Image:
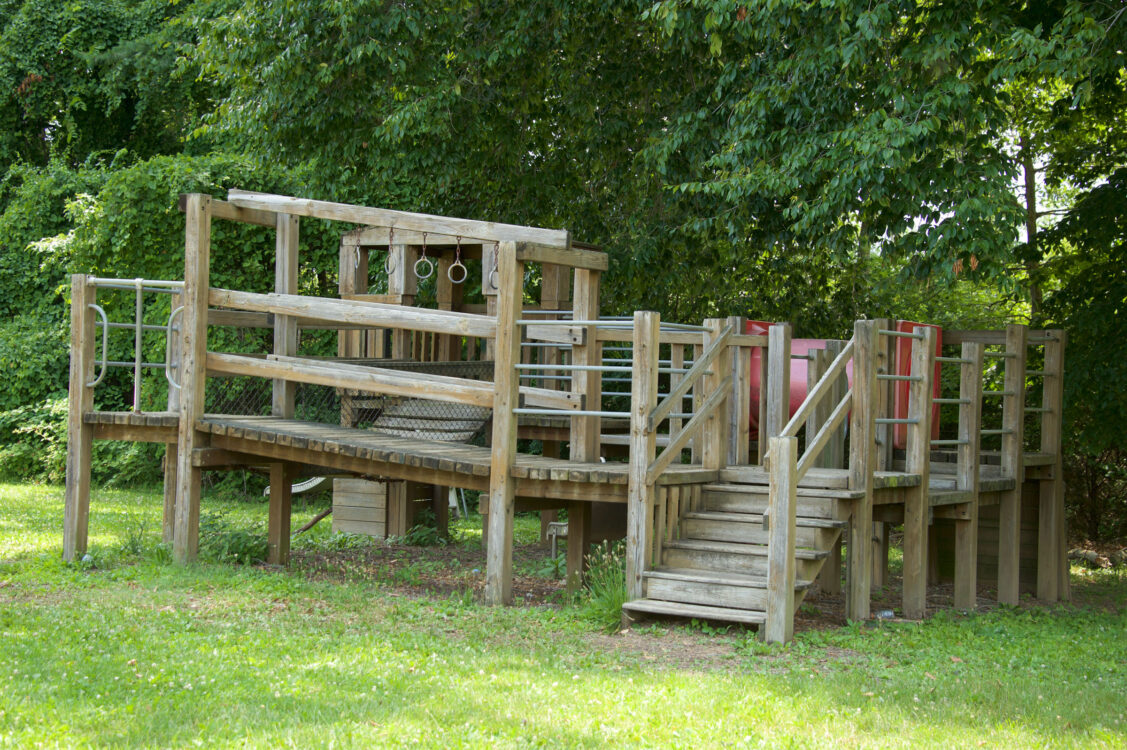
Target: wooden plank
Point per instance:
(134, 433)
(917, 451)
(502, 486)
(466, 228)
(193, 374)
(825, 435)
(783, 503)
(862, 463)
(278, 528)
(707, 411)
(643, 398)
(168, 492)
(990, 338)
(285, 326)
(1012, 463)
(778, 379)
(966, 480)
(714, 432)
(702, 365)
(572, 257)
(833, 457)
(80, 436)
(1052, 561)
(230, 212)
(359, 313)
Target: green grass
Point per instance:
(135, 652)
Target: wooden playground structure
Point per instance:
(735, 502)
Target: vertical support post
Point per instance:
(966, 477)
(764, 400)
(916, 461)
(403, 286)
(1052, 558)
(815, 369)
(555, 288)
(352, 279)
(173, 407)
(502, 486)
(778, 378)
(278, 528)
(862, 464)
(833, 456)
(584, 437)
(285, 326)
(886, 364)
(80, 436)
(739, 404)
(714, 436)
(643, 444)
(783, 499)
(1013, 465)
(193, 375)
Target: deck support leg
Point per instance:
(829, 579)
(917, 460)
(1013, 466)
(578, 542)
(502, 486)
(862, 459)
(80, 436)
(966, 478)
(783, 499)
(193, 353)
(1052, 557)
(880, 553)
(643, 443)
(168, 517)
(282, 476)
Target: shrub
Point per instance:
(605, 584)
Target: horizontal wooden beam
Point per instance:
(955, 338)
(224, 210)
(370, 379)
(358, 313)
(401, 220)
(568, 257)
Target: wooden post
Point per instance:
(584, 437)
(403, 285)
(714, 439)
(764, 405)
(966, 477)
(783, 499)
(1013, 465)
(352, 279)
(778, 378)
(168, 517)
(829, 579)
(193, 374)
(80, 436)
(862, 460)
(285, 326)
(886, 364)
(643, 444)
(502, 486)
(555, 294)
(917, 461)
(278, 528)
(816, 367)
(834, 454)
(1052, 559)
(739, 405)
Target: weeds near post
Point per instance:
(605, 584)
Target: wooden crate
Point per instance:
(360, 507)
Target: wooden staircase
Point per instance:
(715, 567)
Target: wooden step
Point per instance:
(748, 528)
(744, 499)
(695, 611)
(733, 557)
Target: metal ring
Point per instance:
(430, 268)
(493, 279)
(450, 272)
(105, 343)
(168, 348)
(389, 264)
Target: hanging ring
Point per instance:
(450, 274)
(389, 263)
(493, 274)
(430, 267)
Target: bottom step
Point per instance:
(699, 611)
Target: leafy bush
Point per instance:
(425, 531)
(223, 542)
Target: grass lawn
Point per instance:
(338, 651)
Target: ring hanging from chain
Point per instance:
(493, 277)
(457, 264)
(424, 259)
(389, 262)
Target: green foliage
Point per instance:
(33, 358)
(425, 531)
(223, 541)
(605, 585)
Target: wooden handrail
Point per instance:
(823, 387)
(666, 407)
(676, 444)
(837, 416)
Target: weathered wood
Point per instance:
(966, 479)
(230, 212)
(886, 363)
(359, 313)
(830, 428)
(502, 487)
(917, 452)
(989, 338)
(1052, 561)
(829, 579)
(833, 456)
(80, 436)
(643, 398)
(278, 528)
(466, 228)
(739, 406)
(168, 493)
(862, 464)
(778, 379)
(1012, 465)
(193, 374)
(285, 326)
(779, 627)
(702, 365)
(573, 257)
(673, 447)
(714, 432)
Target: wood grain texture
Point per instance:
(643, 398)
(967, 475)
(783, 503)
(80, 435)
(916, 461)
(1012, 465)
